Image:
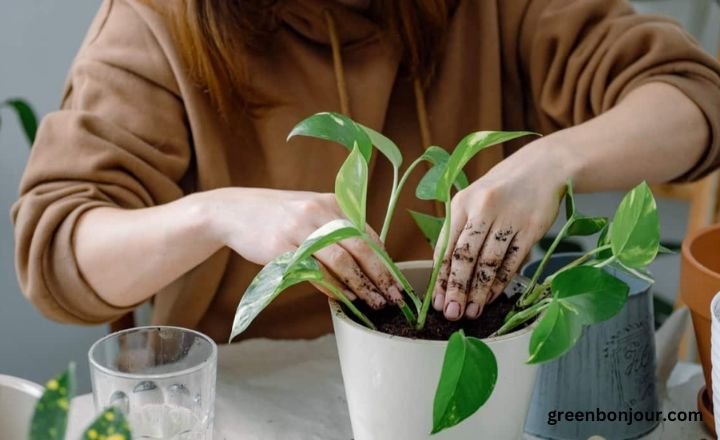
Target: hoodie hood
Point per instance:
(307, 18)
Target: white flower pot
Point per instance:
(390, 381)
(715, 354)
(17, 404)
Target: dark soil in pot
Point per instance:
(391, 321)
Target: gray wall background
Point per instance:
(38, 40)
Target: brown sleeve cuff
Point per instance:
(48, 270)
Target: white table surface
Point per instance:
(287, 390)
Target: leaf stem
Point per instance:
(436, 269)
(523, 301)
(584, 258)
(638, 273)
(536, 293)
(605, 263)
(407, 312)
(344, 299)
(395, 195)
(533, 296)
(523, 316)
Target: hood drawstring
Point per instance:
(422, 115)
(338, 65)
(339, 70)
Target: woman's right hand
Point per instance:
(261, 224)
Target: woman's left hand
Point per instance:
(495, 223)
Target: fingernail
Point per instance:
(394, 294)
(351, 296)
(378, 302)
(472, 311)
(452, 311)
(495, 291)
(439, 302)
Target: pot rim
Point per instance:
(688, 255)
(338, 312)
(22, 385)
(95, 365)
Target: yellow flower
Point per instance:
(53, 385)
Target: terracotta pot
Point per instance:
(699, 282)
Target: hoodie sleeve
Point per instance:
(119, 140)
(582, 57)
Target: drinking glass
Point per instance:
(162, 378)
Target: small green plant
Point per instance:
(49, 421)
(26, 115)
(581, 293)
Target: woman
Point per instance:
(166, 173)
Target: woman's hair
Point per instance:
(211, 34)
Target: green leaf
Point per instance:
(275, 277)
(429, 225)
(291, 268)
(580, 225)
(461, 182)
(110, 425)
(468, 377)
(351, 188)
(49, 421)
(604, 239)
(468, 147)
(583, 226)
(384, 145)
(582, 295)
(427, 188)
(337, 128)
(635, 234)
(439, 156)
(557, 332)
(27, 116)
(329, 233)
(592, 293)
(305, 270)
(435, 155)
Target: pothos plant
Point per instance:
(582, 293)
(50, 418)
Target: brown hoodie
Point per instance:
(135, 131)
